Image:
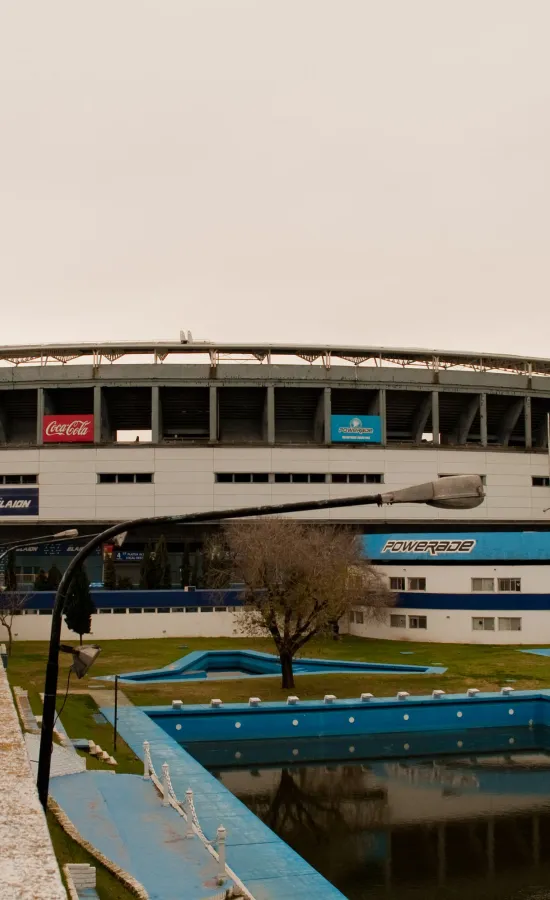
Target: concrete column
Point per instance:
(156, 415)
(483, 418)
(528, 426)
(39, 416)
(327, 410)
(382, 414)
(97, 413)
(435, 416)
(270, 414)
(213, 414)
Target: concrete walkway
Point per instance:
(123, 817)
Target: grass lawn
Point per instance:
(484, 667)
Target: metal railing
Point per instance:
(193, 827)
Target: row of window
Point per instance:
(505, 623)
(149, 609)
(479, 585)
(298, 478)
(18, 479)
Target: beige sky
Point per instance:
(367, 171)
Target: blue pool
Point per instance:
(222, 664)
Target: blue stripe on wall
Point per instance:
(474, 546)
(496, 601)
(141, 599)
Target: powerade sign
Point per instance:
(476, 546)
(19, 502)
(359, 429)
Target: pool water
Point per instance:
(435, 827)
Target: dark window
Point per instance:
(144, 478)
(418, 622)
(417, 584)
(133, 610)
(12, 479)
(317, 478)
(281, 477)
(192, 609)
(18, 479)
(29, 479)
(260, 477)
(207, 609)
(120, 612)
(398, 621)
(356, 479)
(337, 478)
(242, 478)
(224, 477)
(397, 584)
(540, 481)
(149, 609)
(220, 609)
(300, 478)
(125, 478)
(163, 609)
(107, 478)
(374, 478)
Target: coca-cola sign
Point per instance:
(68, 429)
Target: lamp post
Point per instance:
(59, 536)
(454, 492)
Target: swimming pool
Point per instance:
(223, 664)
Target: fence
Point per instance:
(193, 828)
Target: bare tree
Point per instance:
(11, 605)
(298, 579)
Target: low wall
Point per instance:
(454, 626)
(132, 625)
(28, 867)
(352, 718)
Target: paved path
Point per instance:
(123, 816)
(65, 761)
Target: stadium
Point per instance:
(92, 434)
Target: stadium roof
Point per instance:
(321, 354)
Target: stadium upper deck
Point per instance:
(211, 393)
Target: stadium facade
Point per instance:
(234, 425)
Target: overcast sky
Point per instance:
(366, 171)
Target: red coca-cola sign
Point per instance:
(68, 429)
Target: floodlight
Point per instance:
(69, 533)
(452, 492)
(83, 657)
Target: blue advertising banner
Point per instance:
(19, 501)
(477, 546)
(363, 429)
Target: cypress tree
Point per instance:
(148, 573)
(10, 578)
(162, 562)
(109, 574)
(79, 605)
(41, 581)
(54, 577)
(185, 566)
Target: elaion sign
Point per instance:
(68, 429)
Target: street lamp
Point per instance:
(67, 535)
(453, 492)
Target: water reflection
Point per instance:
(409, 829)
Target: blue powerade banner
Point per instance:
(19, 501)
(477, 546)
(362, 429)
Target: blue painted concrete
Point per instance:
(351, 718)
(139, 599)
(122, 815)
(472, 601)
(269, 868)
(250, 663)
(542, 651)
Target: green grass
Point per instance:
(484, 667)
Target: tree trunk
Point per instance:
(10, 637)
(286, 670)
(335, 628)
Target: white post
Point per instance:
(222, 834)
(146, 773)
(165, 792)
(189, 833)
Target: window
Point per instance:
(177, 609)
(509, 584)
(299, 478)
(207, 609)
(358, 618)
(355, 478)
(483, 584)
(241, 477)
(125, 478)
(149, 609)
(25, 575)
(18, 479)
(220, 609)
(120, 611)
(163, 609)
(483, 623)
(540, 481)
(351, 616)
(397, 584)
(191, 609)
(317, 478)
(417, 584)
(44, 612)
(418, 622)
(104, 611)
(134, 610)
(398, 621)
(509, 624)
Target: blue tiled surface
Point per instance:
(542, 651)
(122, 815)
(254, 852)
(250, 663)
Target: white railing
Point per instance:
(188, 812)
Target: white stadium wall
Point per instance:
(454, 626)
(184, 481)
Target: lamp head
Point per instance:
(69, 533)
(452, 492)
